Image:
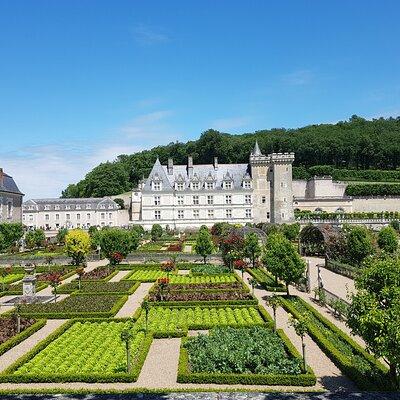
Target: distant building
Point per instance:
(10, 199)
(188, 196)
(53, 214)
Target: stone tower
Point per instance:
(272, 186)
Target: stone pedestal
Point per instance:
(29, 286)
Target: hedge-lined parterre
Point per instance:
(97, 287)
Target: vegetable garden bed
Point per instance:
(99, 287)
(252, 356)
(75, 306)
(82, 351)
(10, 278)
(209, 269)
(176, 321)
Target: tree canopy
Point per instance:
(353, 144)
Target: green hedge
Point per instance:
(130, 267)
(373, 189)
(326, 216)
(266, 280)
(8, 374)
(10, 343)
(336, 354)
(203, 303)
(341, 268)
(186, 376)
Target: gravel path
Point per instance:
(134, 301)
(329, 376)
(119, 276)
(19, 350)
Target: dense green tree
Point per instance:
(359, 244)
(356, 144)
(388, 240)
(204, 245)
(252, 248)
(117, 243)
(374, 313)
(120, 202)
(11, 234)
(61, 234)
(291, 231)
(35, 238)
(156, 232)
(282, 259)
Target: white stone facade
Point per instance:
(53, 214)
(188, 196)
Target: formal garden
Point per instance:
(239, 315)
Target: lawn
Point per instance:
(85, 352)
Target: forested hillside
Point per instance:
(355, 144)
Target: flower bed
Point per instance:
(63, 270)
(209, 269)
(82, 352)
(367, 372)
(98, 274)
(236, 285)
(99, 287)
(266, 280)
(176, 321)
(75, 306)
(254, 355)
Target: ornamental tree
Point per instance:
(274, 302)
(35, 238)
(10, 233)
(300, 327)
(156, 232)
(252, 248)
(116, 244)
(61, 234)
(388, 240)
(282, 260)
(374, 312)
(204, 245)
(359, 244)
(77, 245)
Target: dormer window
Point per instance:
(47, 207)
(157, 186)
(246, 184)
(227, 185)
(88, 206)
(110, 206)
(195, 185)
(78, 207)
(210, 185)
(67, 207)
(57, 207)
(179, 186)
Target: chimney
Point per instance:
(190, 166)
(215, 162)
(1, 177)
(170, 167)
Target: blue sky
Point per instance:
(83, 81)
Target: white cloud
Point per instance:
(147, 36)
(226, 124)
(298, 78)
(45, 170)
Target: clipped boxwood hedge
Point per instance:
(186, 376)
(343, 362)
(99, 287)
(266, 280)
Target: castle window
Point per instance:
(87, 206)
(47, 207)
(157, 186)
(210, 200)
(180, 200)
(248, 213)
(263, 199)
(102, 215)
(179, 186)
(195, 185)
(9, 209)
(284, 200)
(67, 207)
(228, 185)
(47, 217)
(78, 216)
(196, 214)
(228, 213)
(57, 217)
(268, 215)
(247, 184)
(68, 216)
(109, 215)
(78, 207)
(247, 199)
(157, 200)
(181, 214)
(283, 215)
(210, 213)
(196, 200)
(210, 185)
(157, 214)
(57, 207)
(228, 199)
(88, 216)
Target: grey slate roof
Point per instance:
(202, 173)
(95, 203)
(8, 185)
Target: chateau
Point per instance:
(188, 196)
(10, 199)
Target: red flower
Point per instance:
(239, 264)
